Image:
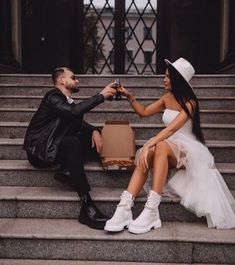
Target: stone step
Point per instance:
(82, 262)
(175, 242)
(210, 103)
(29, 193)
(63, 202)
(211, 131)
(137, 89)
(223, 151)
(142, 80)
(21, 173)
(104, 114)
(222, 102)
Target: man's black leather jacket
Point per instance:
(54, 118)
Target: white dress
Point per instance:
(200, 186)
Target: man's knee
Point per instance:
(71, 142)
(71, 146)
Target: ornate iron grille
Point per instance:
(98, 22)
(143, 59)
(120, 37)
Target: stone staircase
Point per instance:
(38, 216)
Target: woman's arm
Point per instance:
(143, 111)
(174, 126)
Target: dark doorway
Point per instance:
(47, 33)
(7, 61)
(190, 29)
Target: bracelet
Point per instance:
(132, 100)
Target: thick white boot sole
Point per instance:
(117, 228)
(142, 230)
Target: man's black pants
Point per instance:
(73, 150)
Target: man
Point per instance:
(57, 134)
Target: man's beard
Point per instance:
(75, 90)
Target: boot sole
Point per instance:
(155, 225)
(98, 226)
(116, 228)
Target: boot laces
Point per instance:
(151, 203)
(125, 201)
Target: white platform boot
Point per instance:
(123, 214)
(149, 218)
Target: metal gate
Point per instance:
(119, 37)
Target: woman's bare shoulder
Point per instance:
(167, 96)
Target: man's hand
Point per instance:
(108, 91)
(96, 141)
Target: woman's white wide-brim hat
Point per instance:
(183, 67)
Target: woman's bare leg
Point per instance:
(137, 181)
(163, 158)
(149, 217)
(139, 177)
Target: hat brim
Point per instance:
(178, 74)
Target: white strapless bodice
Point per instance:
(169, 115)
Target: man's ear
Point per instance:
(61, 80)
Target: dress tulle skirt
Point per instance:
(200, 186)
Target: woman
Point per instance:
(180, 145)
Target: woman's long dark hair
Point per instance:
(183, 93)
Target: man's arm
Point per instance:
(87, 127)
(60, 105)
(95, 135)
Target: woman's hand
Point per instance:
(125, 92)
(96, 140)
(143, 159)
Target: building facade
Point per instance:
(116, 36)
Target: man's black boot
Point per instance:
(90, 215)
(63, 176)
